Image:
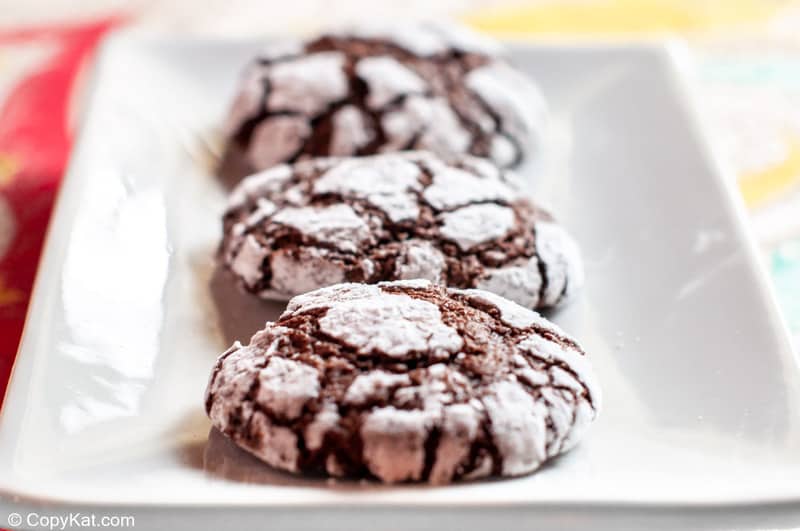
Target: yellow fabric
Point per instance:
(758, 188)
(623, 16)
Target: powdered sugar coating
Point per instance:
(476, 224)
(518, 427)
(521, 283)
(511, 313)
(394, 443)
(337, 225)
(379, 89)
(461, 221)
(510, 393)
(561, 258)
(286, 386)
(460, 424)
(453, 187)
(259, 185)
(309, 84)
(424, 123)
(394, 325)
(420, 259)
(570, 357)
(387, 79)
(247, 261)
(276, 445)
(324, 421)
(374, 386)
(386, 182)
(518, 102)
(325, 297)
(304, 270)
(277, 139)
(351, 131)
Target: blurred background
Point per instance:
(747, 73)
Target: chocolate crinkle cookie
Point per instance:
(371, 89)
(463, 223)
(405, 381)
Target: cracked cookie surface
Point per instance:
(378, 89)
(404, 381)
(464, 223)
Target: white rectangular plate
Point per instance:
(702, 391)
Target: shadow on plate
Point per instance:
(239, 314)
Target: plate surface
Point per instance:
(702, 390)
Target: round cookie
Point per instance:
(377, 89)
(464, 223)
(404, 381)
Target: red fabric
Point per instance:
(34, 147)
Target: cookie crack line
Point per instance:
(295, 397)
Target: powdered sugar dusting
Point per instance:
(351, 131)
(520, 283)
(428, 123)
(305, 270)
(394, 443)
(514, 97)
(277, 139)
(307, 84)
(420, 259)
(248, 260)
(324, 421)
(327, 296)
(560, 409)
(264, 209)
(387, 79)
(453, 187)
(562, 260)
(259, 184)
(435, 387)
(286, 386)
(518, 427)
(414, 283)
(383, 181)
(393, 324)
(460, 423)
(374, 386)
(540, 347)
(511, 313)
(338, 225)
(398, 207)
(276, 445)
(475, 224)
(502, 150)
(583, 416)
(237, 368)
